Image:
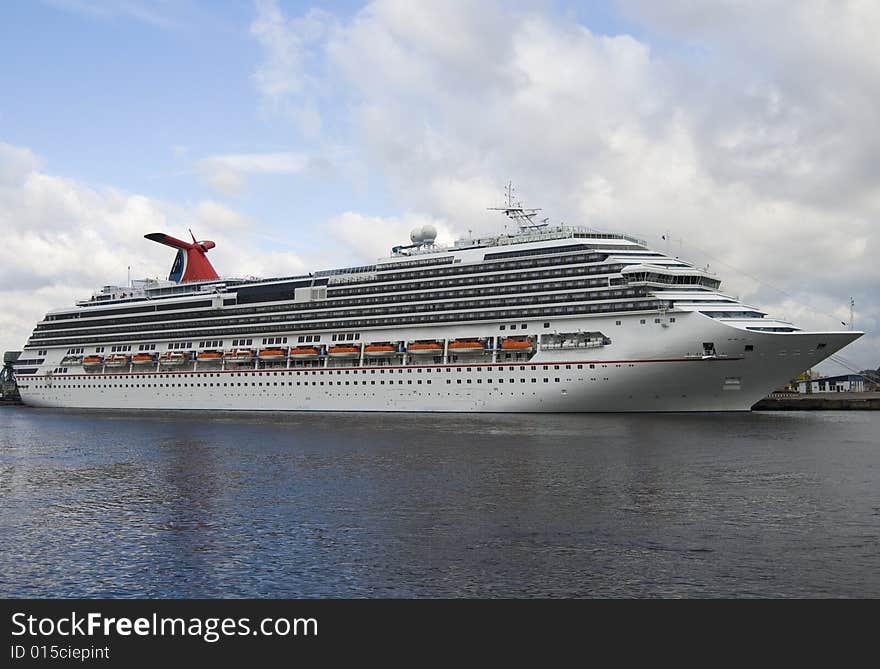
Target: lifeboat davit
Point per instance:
(344, 352)
(273, 353)
(143, 359)
(379, 350)
(304, 353)
(516, 344)
(239, 355)
(466, 346)
(93, 361)
(425, 348)
(172, 359)
(117, 360)
(209, 356)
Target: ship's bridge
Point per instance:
(660, 276)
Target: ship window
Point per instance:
(642, 321)
(513, 326)
(750, 347)
(502, 327)
(672, 320)
(821, 345)
(546, 325)
(523, 326)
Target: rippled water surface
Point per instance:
(382, 505)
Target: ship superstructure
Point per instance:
(544, 318)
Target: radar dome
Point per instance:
(429, 234)
(416, 236)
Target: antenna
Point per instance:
(852, 306)
(515, 211)
(509, 191)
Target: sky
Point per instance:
(301, 136)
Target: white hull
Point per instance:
(646, 368)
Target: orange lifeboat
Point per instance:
(172, 358)
(516, 344)
(93, 361)
(344, 351)
(304, 353)
(117, 360)
(466, 346)
(272, 353)
(427, 347)
(143, 359)
(239, 355)
(209, 356)
(379, 350)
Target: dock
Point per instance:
(867, 401)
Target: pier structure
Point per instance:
(8, 385)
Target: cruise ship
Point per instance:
(539, 319)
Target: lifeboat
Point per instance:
(72, 360)
(209, 356)
(143, 359)
(379, 350)
(466, 346)
(239, 355)
(516, 344)
(172, 358)
(425, 348)
(272, 353)
(93, 361)
(344, 351)
(304, 353)
(117, 360)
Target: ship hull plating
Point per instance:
(648, 369)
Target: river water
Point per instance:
(415, 505)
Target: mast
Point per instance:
(513, 209)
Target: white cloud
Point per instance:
(63, 239)
(16, 162)
(755, 143)
(227, 174)
(284, 80)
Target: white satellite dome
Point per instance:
(429, 234)
(416, 236)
